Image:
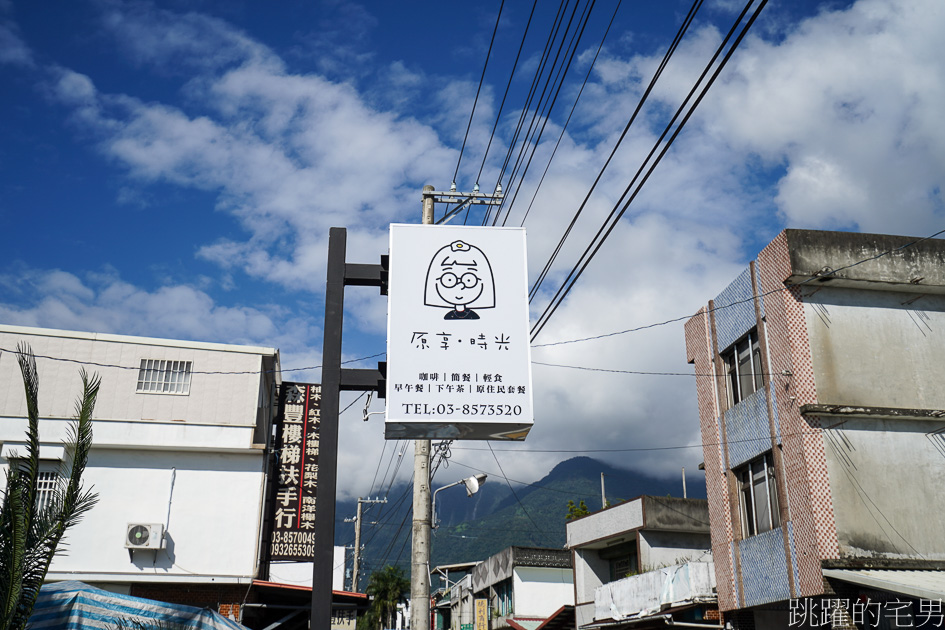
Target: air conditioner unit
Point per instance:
(144, 536)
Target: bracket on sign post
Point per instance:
(334, 380)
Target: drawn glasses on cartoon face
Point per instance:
(459, 276)
(449, 280)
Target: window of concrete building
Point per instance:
(622, 560)
(743, 368)
(157, 376)
(757, 495)
(47, 481)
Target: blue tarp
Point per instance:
(75, 605)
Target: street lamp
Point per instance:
(472, 487)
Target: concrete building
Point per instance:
(822, 416)
(517, 588)
(643, 563)
(181, 449)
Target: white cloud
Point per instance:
(176, 42)
(13, 50)
(103, 302)
(848, 102)
(830, 123)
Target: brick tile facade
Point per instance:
(809, 532)
(699, 351)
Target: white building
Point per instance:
(519, 587)
(644, 563)
(181, 437)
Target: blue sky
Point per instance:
(171, 169)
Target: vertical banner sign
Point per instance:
(458, 353)
(293, 530)
(482, 614)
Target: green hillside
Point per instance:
(474, 528)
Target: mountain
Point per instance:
(474, 528)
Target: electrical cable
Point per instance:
(571, 113)
(508, 85)
(586, 257)
(351, 404)
(378, 469)
(514, 494)
(545, 116)
(481, 79)
(680, 33)
(544, 112)
(541, 107)
(639, 449)
(819, 278)
(531, 93)
(130, 367)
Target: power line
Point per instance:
(514, 494)
(820, 278)
(642, 373)
(720, 307)
(546, 113)
(639, 449)
(508, 85)
(570, 114)
(680, 33)
(543, 108)
(556, 24)
(129, 367)
(476, 100)
(615, 216)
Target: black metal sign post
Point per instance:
(335, 379)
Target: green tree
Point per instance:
(387, 588)
(30, 535)
(576, 511)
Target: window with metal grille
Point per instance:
(743, 368)
(157, 376)
(757, 495)
(46, 482)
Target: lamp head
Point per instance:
(472, 483)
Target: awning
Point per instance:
(928, 584)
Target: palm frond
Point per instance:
(31, 390)
(31, 535)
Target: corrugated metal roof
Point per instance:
(927, 584)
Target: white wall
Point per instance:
(877, 348)
(606, 523)
(663, 549)
(229, 399)
(185, 461)
(300, 573)
(886, 480)
(538, 592)
(212, 515)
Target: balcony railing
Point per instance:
(651, 592)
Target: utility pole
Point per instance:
(603, 495)
(355, 571)
(420, 548)
(422, 509)
(357, 550)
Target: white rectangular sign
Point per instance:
(458, 353)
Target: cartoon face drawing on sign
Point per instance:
(460, 278)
